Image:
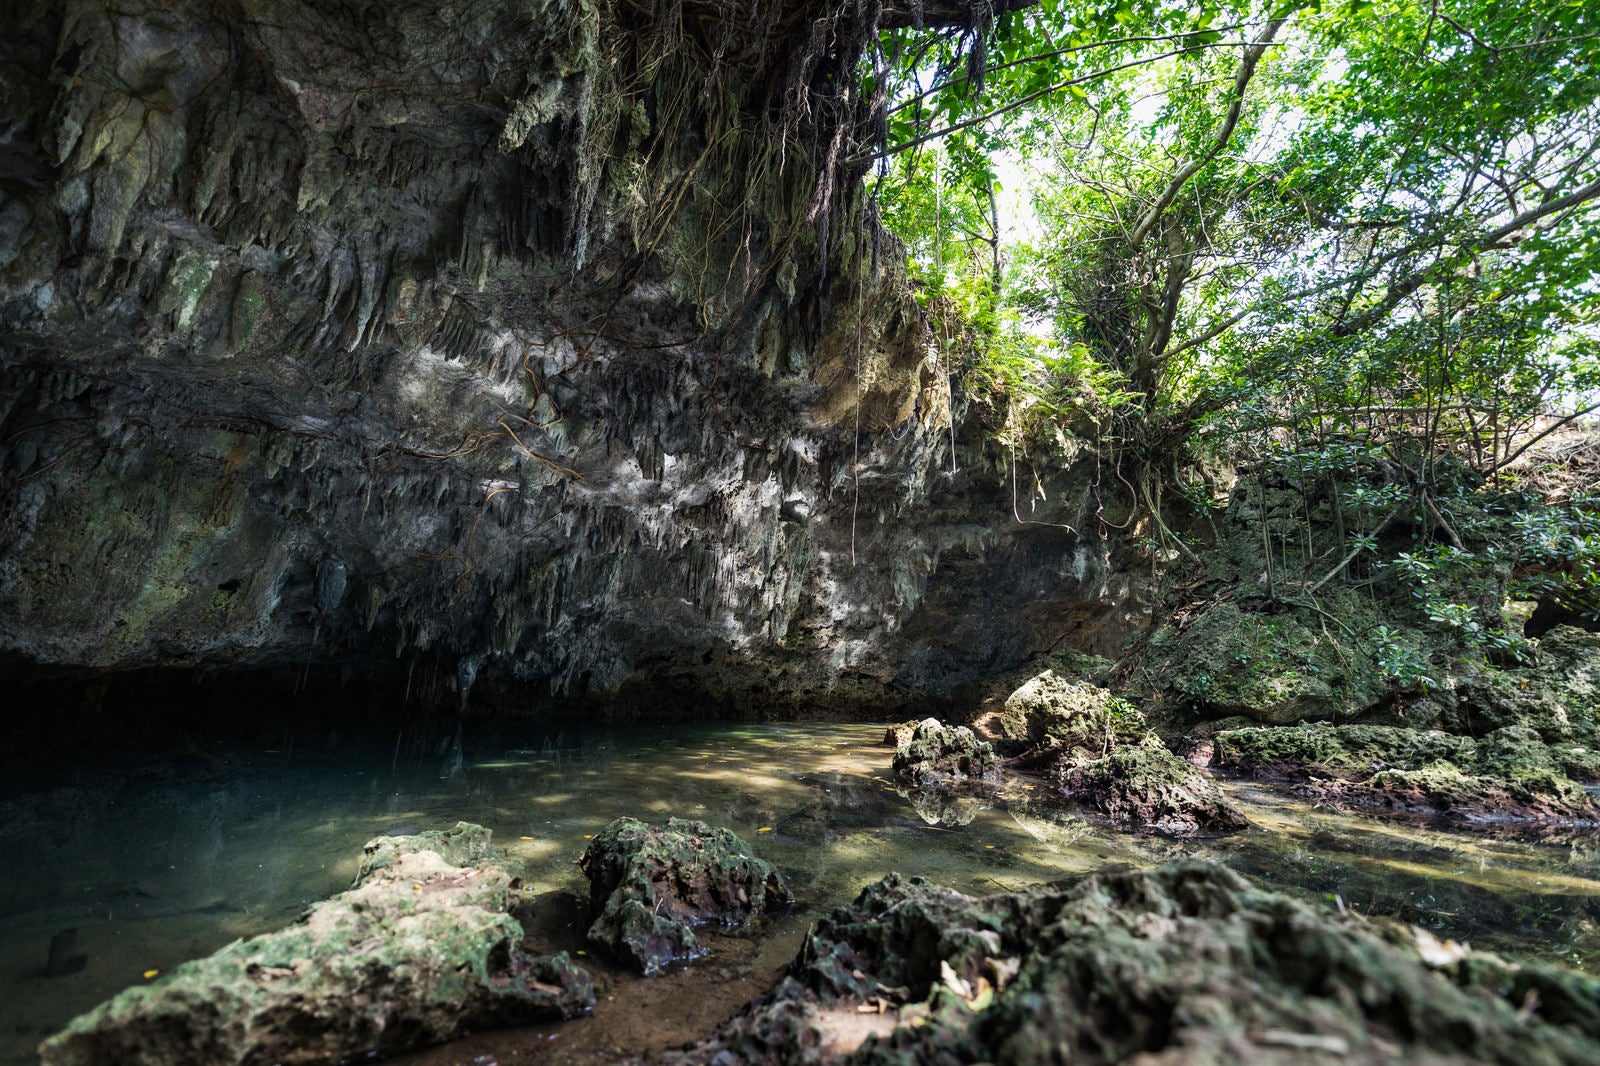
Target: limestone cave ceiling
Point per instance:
(546, 341)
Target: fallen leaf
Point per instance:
(150, 973)
(765, 829)
(953, 981)
(527, 838)
(1436, 952)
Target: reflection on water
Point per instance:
(153, 865)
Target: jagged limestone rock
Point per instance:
(1274, 669)
(650, 885)
(1509, 774)
(463, 844)
(1147, 788)
(1049, 712)
(1336, 749)
(318, 353)
(1101, 755)
(1186, 965)
(940, 756)
(421, 950)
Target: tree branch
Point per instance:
(1247, 69)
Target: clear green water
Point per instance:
(155, 864)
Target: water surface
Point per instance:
(153, 863)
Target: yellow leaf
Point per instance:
(150, 973)
(765, 829)
(527, 838)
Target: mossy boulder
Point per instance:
(463, 844)
(651, 885)
(1051, 712)
(1557, 694)
(1510, 773)
(1145, 787)
(1445, 788)
(941, 756)
(1567, 663)
(1186, 965)
(1346, 750)
(420, 950)
(1271, 668)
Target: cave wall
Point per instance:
(541, 342)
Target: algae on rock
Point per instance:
(1274, 669)
(650, 885)
(1510, 773)
(421, 950)
(1188, 965)
(1146, 787)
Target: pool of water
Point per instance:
(122, 870)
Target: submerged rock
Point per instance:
(1146, 787)
(941, 756)
(1186, 965)
(422, 949)
(650, 885)
(1509, 774)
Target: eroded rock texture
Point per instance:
(537, 341)
(651, 885)
(420, 950)
(1187, 964)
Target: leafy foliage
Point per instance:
(1351, 245)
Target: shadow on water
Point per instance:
(136, 867)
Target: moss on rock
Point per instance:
(1050, 712)
(650, 885)
(1511, 773)
(1187, 965)
(419, 951)
(1146, 787)
(1275, 669)
(941, 756)
(1330, 749)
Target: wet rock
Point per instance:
(420, 950)
(941, 756)
(1186, 965)
(1099, 751)
(463, 844)
(1147, 788)
(1509, 774)
(651, 885)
